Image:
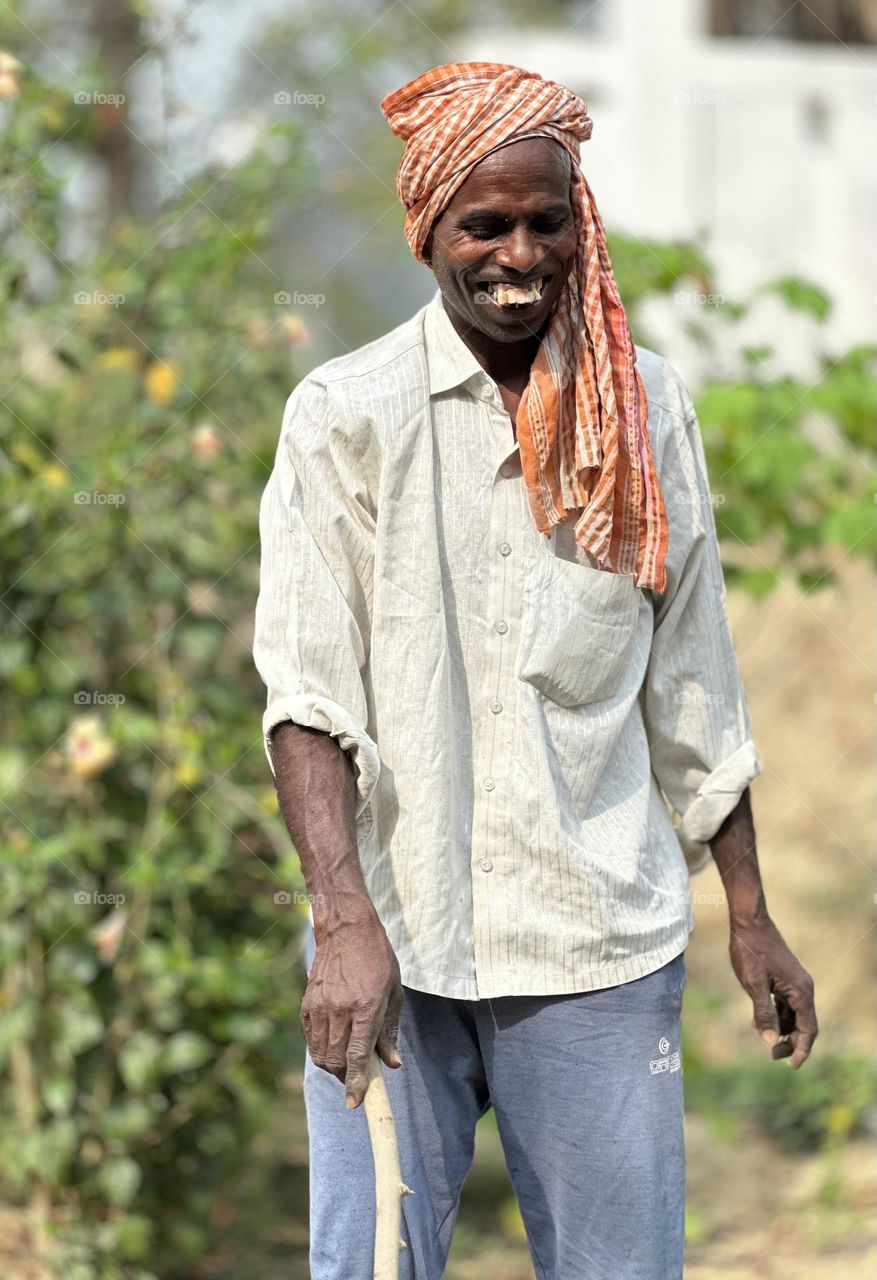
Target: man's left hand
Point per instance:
(780, 987)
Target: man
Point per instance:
(493, 628)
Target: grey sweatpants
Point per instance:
(587, 1091)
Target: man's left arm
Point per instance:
(779, 986)
(699, 731)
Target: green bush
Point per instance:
(831, 1100)
(150, 983)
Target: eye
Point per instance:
(541, 228)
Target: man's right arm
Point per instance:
(354, 995)
(311, 648)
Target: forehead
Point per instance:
(530, 170)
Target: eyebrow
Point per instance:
(557, 206)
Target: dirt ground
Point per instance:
(808, 664)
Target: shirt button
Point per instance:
(504, 548)
(485, 864)
(505, 469)
(488, 784)
(495, 706)
(501, 627)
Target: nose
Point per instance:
(519, 251)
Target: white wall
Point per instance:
(764, 145)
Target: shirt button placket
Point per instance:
(494, 707)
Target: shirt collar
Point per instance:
(449, 360)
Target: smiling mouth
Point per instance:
(509, 296)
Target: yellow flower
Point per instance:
(117, 358)
(52, 116)
(162, 380)
(187, 773)
(840, 1120)
(56, 476)
(89, 750)
(268, 800)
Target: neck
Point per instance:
(508, 363)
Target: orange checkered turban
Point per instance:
(582, 420)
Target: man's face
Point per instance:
(510, 221)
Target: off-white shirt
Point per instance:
(541, 748)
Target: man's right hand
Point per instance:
(353, 998)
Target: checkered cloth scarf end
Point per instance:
(582, 420)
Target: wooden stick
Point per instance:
(389, 1187)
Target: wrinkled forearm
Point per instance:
(316, 790)
(734, 852)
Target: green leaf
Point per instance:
(119, 1179)
(185, 1051)
(134, 1235)
(139, 1060)
(59, 1093)
(801, 295)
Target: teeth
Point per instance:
(507, 294)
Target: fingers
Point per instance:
(388, 1040)
(785, 1013)
(806, 1028)
(795, 1018)
(315, 1029)
(335, 1058)
(764, 1014)
(343, 1048)
(362, 1039)
(386, 1049)
(325, 1034)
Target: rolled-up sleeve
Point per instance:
(697, 720)
(311, 634)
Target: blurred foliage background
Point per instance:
(151, 330)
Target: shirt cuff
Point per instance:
(317, 712)
(717, 796)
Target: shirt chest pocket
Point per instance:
(577, 630)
